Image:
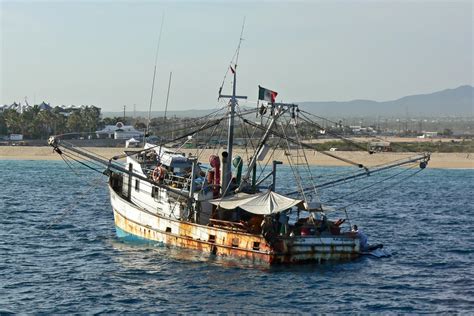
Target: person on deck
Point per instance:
(283, 220)
(324, 223)
(362, 238)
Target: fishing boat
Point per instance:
(229, 205)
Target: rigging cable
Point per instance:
(236, 56)
(373, 184)
(272, 154)
(384, 188)
(294, 170)
(347, 140)
(309, 146)
(372, 136)
(306, 162)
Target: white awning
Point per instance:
(264, 203)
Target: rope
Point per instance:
(386, 188)
(236, 56)
(294, 170)
(306, 163)
(69, 165)
(349, 141)
(372, 136)
(82, 163)
(371, 185)
(309, 146)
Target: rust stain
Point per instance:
(240, 245)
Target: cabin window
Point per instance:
(137, 185)
(212, 238)
(235, 242)
(155, 192)
(168, 229)
(256, 245)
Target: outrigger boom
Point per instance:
(161, 195)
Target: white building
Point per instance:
(119, 131)
(428, 135)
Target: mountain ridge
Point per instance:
(452, 102)
(448, 102)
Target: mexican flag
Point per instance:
(266, 95)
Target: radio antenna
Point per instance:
(154, 76)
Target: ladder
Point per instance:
(300, 167)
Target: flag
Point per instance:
(266, 95)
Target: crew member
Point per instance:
(283, 220)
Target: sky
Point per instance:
(103, 52)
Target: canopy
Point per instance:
(264, 203)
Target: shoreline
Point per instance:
(438, 160)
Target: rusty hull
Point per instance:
(223, 242)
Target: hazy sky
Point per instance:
(102, 52)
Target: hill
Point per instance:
(449, 102)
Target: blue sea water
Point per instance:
(59, 253)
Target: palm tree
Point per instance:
(29, 125)
(12, 121)
(3, 125)
(74, 122)
(91, 118)
(45, 119)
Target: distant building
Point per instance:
(65, 110)
(356, 129)
(428, 135)
(119, 131)
(16, 137)
(45, 106)
(379, 146)
(14, 106)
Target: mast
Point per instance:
(227, 173)
(227, 164)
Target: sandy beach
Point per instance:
(438, 160)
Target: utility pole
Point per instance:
(124, 113)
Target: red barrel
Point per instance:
(305, 231)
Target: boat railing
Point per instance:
(177, 181)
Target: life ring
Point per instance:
(158, 173)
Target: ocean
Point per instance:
(59, 253)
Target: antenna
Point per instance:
(240, 42)
(154, 75)
(168, 96)
(236, 57)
